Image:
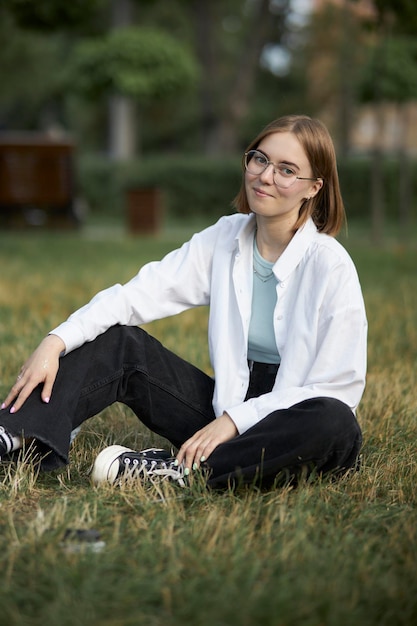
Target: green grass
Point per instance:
(325, 554)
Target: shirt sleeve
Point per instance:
(179, 281)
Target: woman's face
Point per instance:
(269, 200)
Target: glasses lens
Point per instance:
(284, 176)
(255, 162)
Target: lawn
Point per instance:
(324, 554)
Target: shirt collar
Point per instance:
(293, 253)
(295, 250)
(246, 233)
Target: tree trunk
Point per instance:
(404, 176)
(204, 27)
(224, 137)
(123, 129)
(377, 190)
(346, 81)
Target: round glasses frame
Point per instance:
(279, 169)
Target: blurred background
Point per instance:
(136, 112)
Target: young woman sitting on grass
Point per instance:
(287, 339)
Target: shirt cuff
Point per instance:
(70, 335)
(244, 416)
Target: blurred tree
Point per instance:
(359, 52)
(401, 13)
(142, 64)
(390, 76)
(229, 39)
(333, 63)
(37, 40)
(52, 15)
(129, 67)
(29, 64)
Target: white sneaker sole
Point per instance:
(105, 469)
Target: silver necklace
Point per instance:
(264, 279)
(256, 270)
(258, 266)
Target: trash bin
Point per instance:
(144, 210)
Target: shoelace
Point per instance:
(133, 468)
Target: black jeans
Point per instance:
(174, 399)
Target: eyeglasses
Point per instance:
(256, 163)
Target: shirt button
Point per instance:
(279, 317)
(282, 285)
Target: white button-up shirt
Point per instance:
(319, 320)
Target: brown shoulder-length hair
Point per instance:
(326, 207)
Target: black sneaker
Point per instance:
(117, 465)
(6, 443)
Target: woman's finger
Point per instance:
(14, 392)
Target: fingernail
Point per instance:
(3, 406)
(12, 410)
(186, 471)
(46, 400)
(176, 463)
(203, 458)
(195, 466)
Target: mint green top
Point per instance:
(261, 342)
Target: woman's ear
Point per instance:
(314, 189)
(318, 184)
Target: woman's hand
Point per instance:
(41, 367)
(199, 447)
